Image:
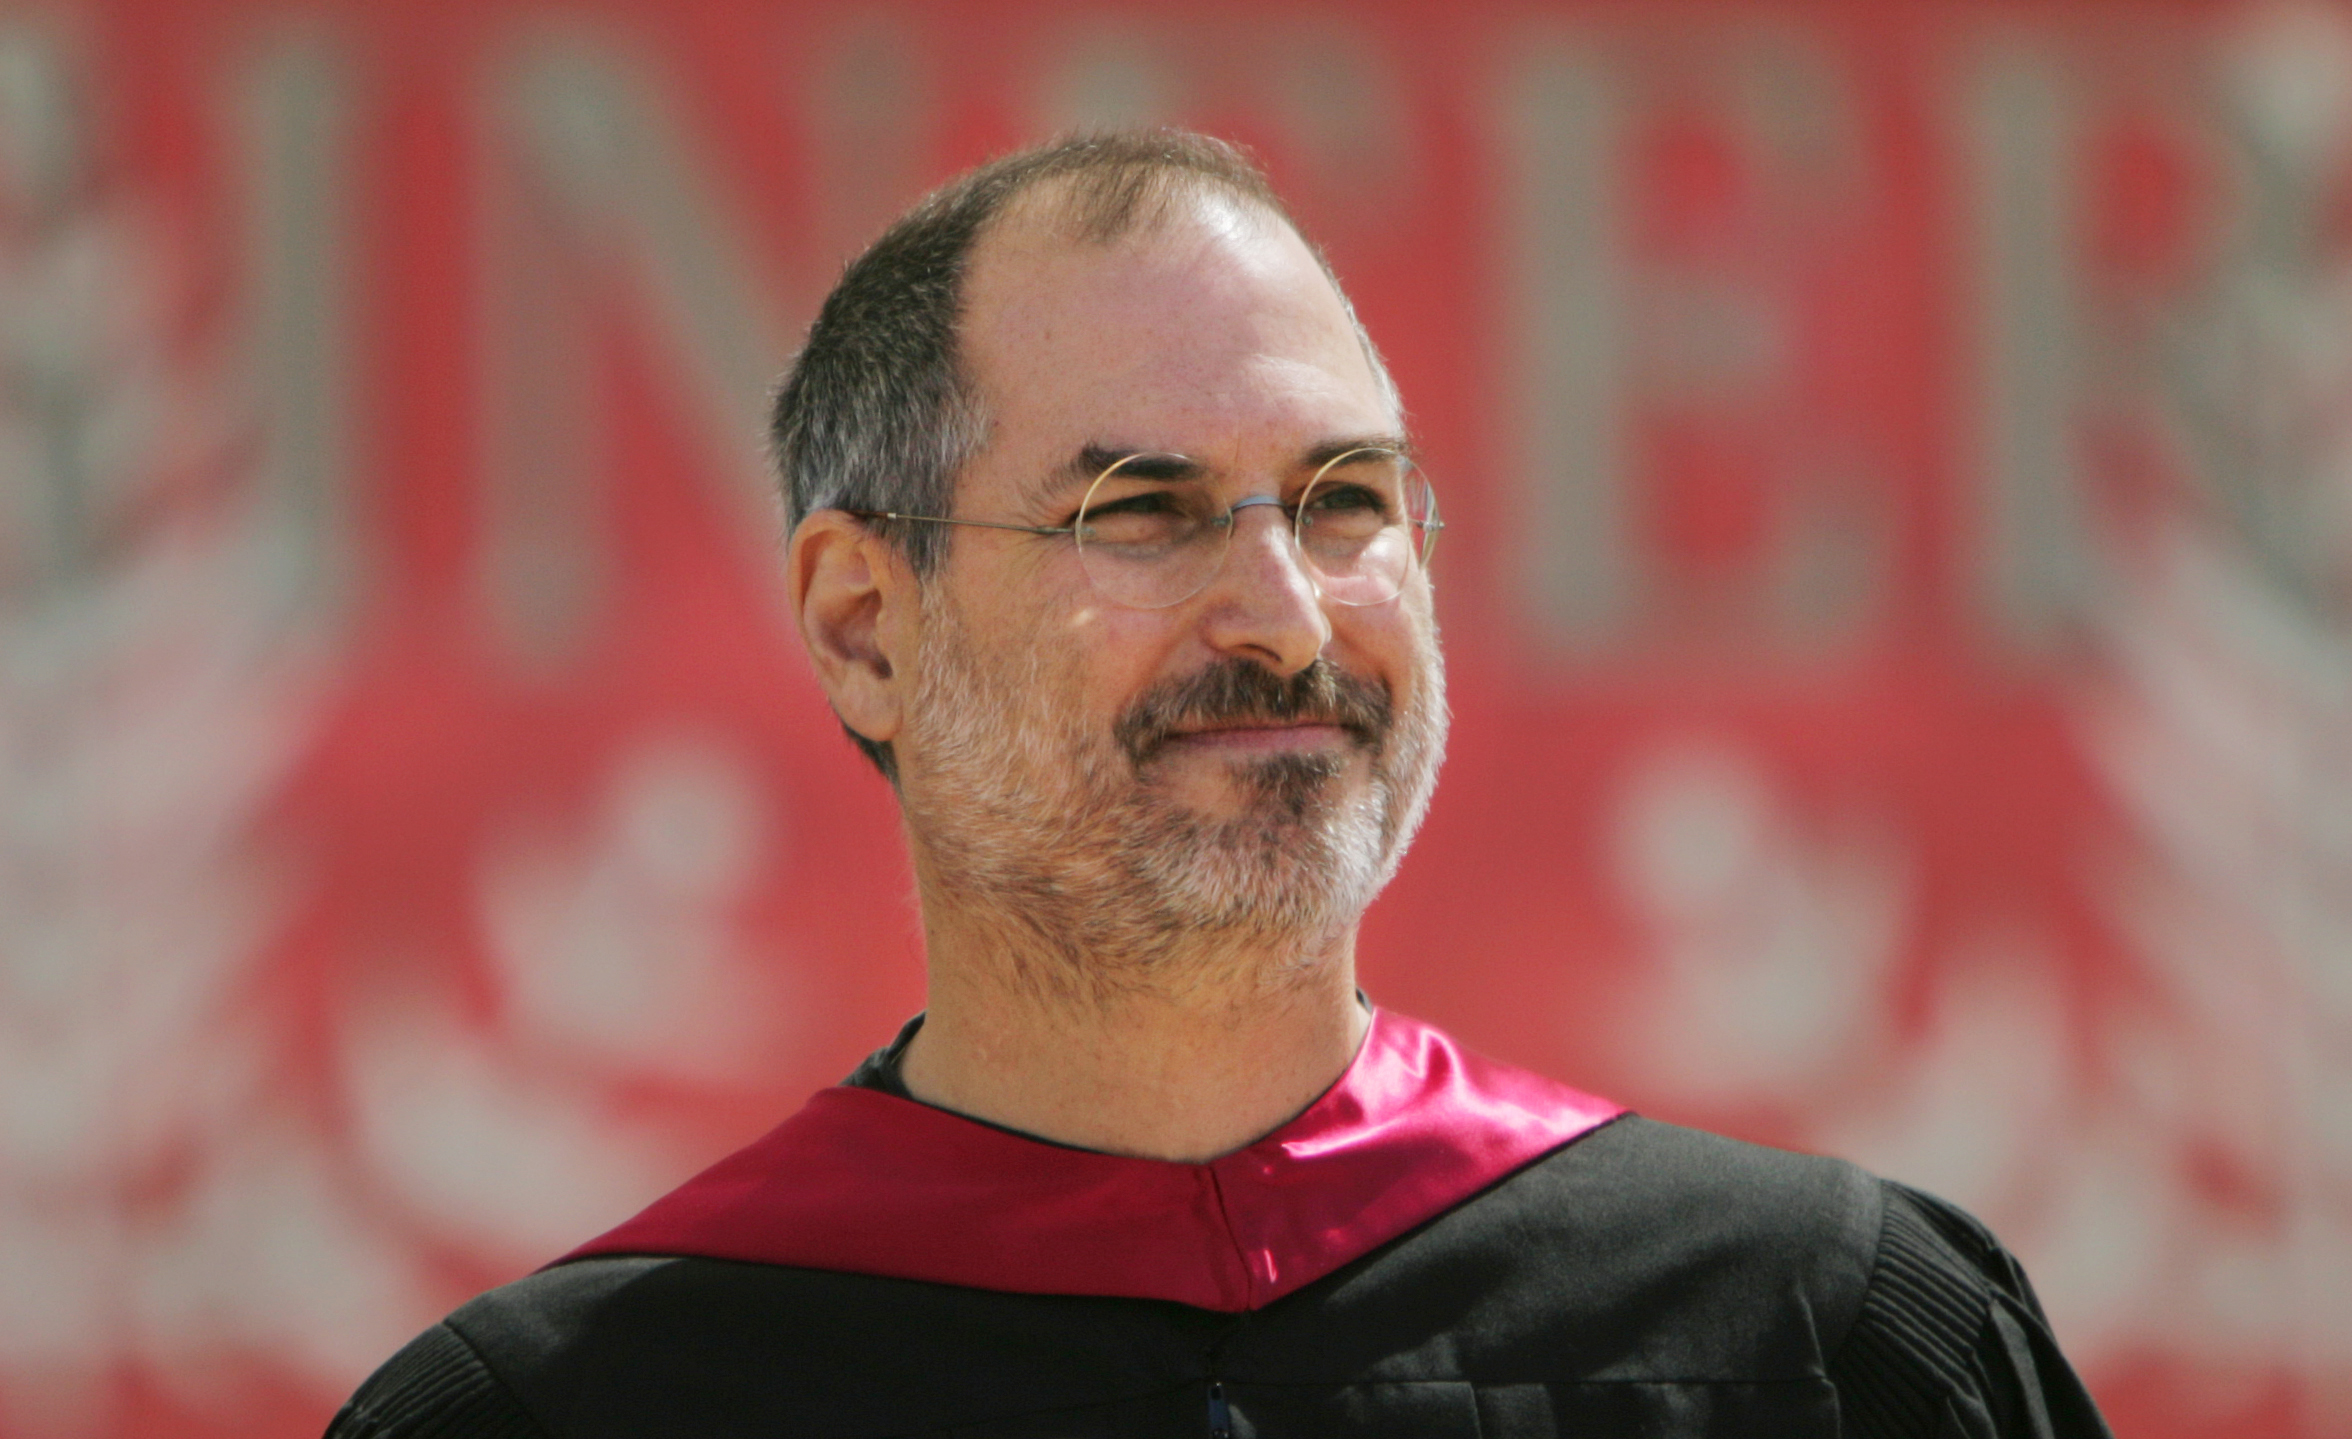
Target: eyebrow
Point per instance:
(1324, 453)
(1085, 467)
(1094, 458)
(1142, 464)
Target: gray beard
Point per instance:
(1066, 842)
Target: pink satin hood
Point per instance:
(868, 1183)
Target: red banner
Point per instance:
(1898, 471)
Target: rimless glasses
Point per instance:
(1150, 533)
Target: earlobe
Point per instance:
(850, 591)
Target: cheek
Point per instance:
(1110, 655)
(1395, 642)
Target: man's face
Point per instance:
(1248, 761)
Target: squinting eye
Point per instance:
(1146, 504)
(1148, 521)
(1333, 498)
(1150, 502)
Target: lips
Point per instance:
(1288, 737)
(1258, 723)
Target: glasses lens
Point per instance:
(1365, 522)
(1148, 538)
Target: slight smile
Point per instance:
(1274, 737)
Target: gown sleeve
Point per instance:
(1951, 1342)
(436, 1388)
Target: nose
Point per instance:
(1263, 605)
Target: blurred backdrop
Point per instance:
(1898, 460)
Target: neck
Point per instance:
(1179, 1071)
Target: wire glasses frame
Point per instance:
(1363, 524)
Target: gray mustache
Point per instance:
(1235, 691)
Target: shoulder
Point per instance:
(647, 1345)
(1721, 1197)
(1788, 1265)
(1650, 1203)
(514, 1362)
(436, 1386)
(1931, 1296)
(1649, 1253)
(1951, 1338)
(1658, 1252)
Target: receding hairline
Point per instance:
(1046, 220)
(1104, 206)
(1086, 190)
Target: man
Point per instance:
(1109, 550)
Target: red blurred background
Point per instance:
(1898, 463)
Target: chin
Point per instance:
(1296, 855)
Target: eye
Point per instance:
(1148, 520)
(1341, 497)
(1142, 503)
(1149, 502)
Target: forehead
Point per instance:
(1211, 331)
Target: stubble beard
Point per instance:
(1068, 842)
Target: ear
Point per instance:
(855, 600)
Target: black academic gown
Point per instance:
(1631, 1278)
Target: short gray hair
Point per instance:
(877, 412)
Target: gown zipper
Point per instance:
(1220, 1416)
